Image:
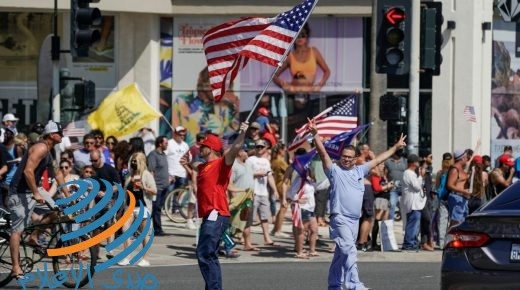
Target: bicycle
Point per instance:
(30, 255)
(176, 204)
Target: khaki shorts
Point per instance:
(21, 207)
(260, 206)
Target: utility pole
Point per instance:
(413, 101)
(377, 133)
(55, 52)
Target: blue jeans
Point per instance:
(207, 251)
(157, 206)
(413, 221)
(394, 198)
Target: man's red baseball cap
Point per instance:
(213, 142)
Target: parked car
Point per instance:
(483, 252)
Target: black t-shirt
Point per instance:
(108, 173)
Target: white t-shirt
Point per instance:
(260, 164)
(174, 152)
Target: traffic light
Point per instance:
(82, 17)
(431, 37)
(392, 108)
(393, 37)
(85, 94)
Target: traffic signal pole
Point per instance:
(413, 102)
(55, 51)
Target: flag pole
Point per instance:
(284, 57)
(158, 112)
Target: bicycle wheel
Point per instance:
(5, 260)
(67, 263)
(176, 205)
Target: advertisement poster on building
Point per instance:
(21, 36)
(325, 68)
(505, 90)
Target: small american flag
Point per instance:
(229, 46)
(469, 114)
(75, 129)
(340, 118)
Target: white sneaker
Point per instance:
(143, 263)
(190, 225)
(124, 262)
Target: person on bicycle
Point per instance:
(24, 192)
(177, 147)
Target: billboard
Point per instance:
(327, 59)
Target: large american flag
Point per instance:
(229, 46)
(469, 114)
(340, 118)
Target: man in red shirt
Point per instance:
(212, 182)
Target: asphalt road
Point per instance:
(261, 276)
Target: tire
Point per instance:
(176, 205)
(5, 260)
(86, 258)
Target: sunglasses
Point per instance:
(64, 167)
(88, 142)
(98, 137)
(259, 146)
(94, 160)
(111, 143)
(302, 35)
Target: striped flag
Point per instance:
(333, 147)
(229, 46)
(75, 129)
(340, 118)
(469, 114)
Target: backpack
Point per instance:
(442, 191)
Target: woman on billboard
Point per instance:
(303, 62)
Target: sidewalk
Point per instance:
(178, 248)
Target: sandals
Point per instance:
(253, 249)
(19, 276)
(314, 254)
(302, 256)
(271, 244)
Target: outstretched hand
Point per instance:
(401, 144)
(312, 126)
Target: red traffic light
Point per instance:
(395, 15)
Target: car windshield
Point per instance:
(509, 199)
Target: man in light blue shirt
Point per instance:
(346, 197)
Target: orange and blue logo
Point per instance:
(104, 210)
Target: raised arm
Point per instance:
(235, 147)
(385, 155)
(320, 148)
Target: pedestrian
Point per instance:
(346, 197)
(158, 166)
(212, 182)
(457, 184)
(412, 202)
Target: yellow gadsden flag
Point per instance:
(123, 112)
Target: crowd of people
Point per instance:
(252, 181)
